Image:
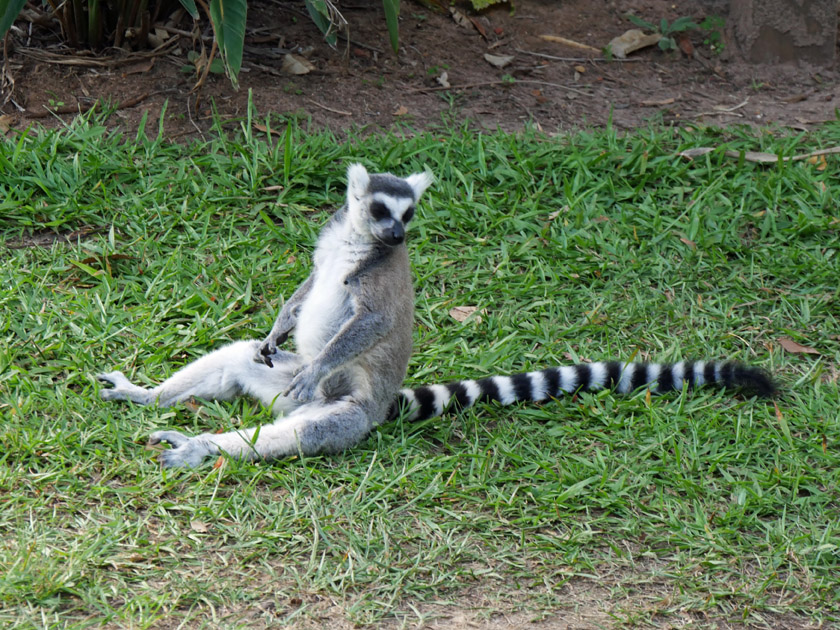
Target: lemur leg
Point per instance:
(313, 428)
(223, 374)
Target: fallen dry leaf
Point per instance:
(691, 244)
(499, 61)
(664, 101)
(5, 123)
(569, 42)
(139, 68)
(462, 313)
(630, 41)
(295, 64)
(476, 22)
(795, 348)
(684, 42)
(819, 161)
(266, 130)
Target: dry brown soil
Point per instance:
(555, 87)
(550, 85)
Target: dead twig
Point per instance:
(102, 61)
(569, 42)
(577, 59)
(719, 110)
(468, 86)
(7, 79)
(330, 109)
(205, 70)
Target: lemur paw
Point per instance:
(304, 385)
(186, 452)
(269, 347)
(119, 385)
(264, 352)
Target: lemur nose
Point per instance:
(398, 233)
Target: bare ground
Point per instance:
(553, 86)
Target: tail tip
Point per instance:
(758, 381)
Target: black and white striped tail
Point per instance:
(433, 400)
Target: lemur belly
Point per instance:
(328, 304)
(321, 316)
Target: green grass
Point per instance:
(709, 508)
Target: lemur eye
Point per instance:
(409, 214)
(379, 211)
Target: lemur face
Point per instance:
(382, 205)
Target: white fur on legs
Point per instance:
(223, 374)
(312, 428)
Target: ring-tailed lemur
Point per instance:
(352, 321)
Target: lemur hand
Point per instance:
(304, 384)
(186, 452)
(269, 347)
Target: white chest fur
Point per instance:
(329, 304)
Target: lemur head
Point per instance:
(381, 205)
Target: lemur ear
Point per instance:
(358, 181)
(419, 182)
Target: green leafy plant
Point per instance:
(713, 26)
(98, 23)
(228, 19)
(392, 14)
(327, 18)
(478, 5)
(666, 29)
(330, 21)
(9, 10)
(197, 62)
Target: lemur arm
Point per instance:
(356, 336)
(285, 322)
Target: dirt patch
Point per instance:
(622, 599)
(553, 86)
(46, 238)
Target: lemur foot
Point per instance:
(186, 452)
(264, 352)
(304, 384)
(121, 388)
(269, 347)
